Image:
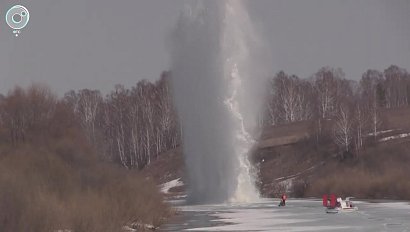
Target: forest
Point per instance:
(133, 126)
(354, 107)
(54, 178)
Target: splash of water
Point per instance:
(245, 191)
(217, 78)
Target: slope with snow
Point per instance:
(171, 184)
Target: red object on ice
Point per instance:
(324, 200)
(333, 200)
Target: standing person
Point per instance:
(339, 202)
(283, 200)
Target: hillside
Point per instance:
(299, 167)
(53, 179)
(289, 159)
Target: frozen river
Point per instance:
(298, 215)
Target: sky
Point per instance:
(97, 44)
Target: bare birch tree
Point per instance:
(325, 84)
(343, 128)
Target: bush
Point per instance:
(40, 191)
(51, 178)
(363, 184)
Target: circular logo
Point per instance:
(17, 17)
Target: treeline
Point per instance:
(352, 108)
(132, 126)
(129, 126)
(53, 179)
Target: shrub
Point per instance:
(40, 191)
(51, 178)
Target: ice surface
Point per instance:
(298, 215)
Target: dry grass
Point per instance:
(40, 191)
(364, 184)
(381, 172)
(51, 179)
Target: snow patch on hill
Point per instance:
(380, 132)
(400, 136)
(171, 184)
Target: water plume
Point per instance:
(218, 76)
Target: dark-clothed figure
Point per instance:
(283, 200)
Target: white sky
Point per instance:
(74, 44)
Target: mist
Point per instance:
(218, 77)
